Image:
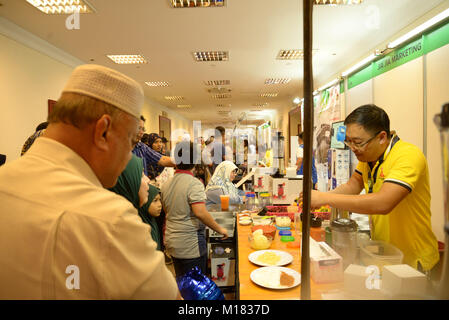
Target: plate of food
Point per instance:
(276, 277)
(270, 258)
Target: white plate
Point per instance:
(286, 258)
(245, 222)
(269, 277)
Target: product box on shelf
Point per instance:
(286, 190)
(262, 182)
(222, 264)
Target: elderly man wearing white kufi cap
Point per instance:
(63, 235)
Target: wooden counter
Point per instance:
(248, 290)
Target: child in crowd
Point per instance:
(183, 200)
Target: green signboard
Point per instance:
(428, 42)
(398, 57)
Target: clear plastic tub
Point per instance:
(380, 254)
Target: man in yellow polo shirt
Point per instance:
(395, 176)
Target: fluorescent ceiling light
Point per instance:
(277, 80)
(337, 2)
(174, 98)
(426, 25)
(184, 106)
(296, 100)
(197, 3)
(294, 54)
(359, 65)
(200, 56)
(330, 84)
(221, 96)
(217, 82)
(157, 84)
(62, 6)
(127, 59)
(269, 95)
(260, 105)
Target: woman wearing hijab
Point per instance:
(221, 184)
(133, 185)
(155, 143)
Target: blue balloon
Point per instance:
(196, 286)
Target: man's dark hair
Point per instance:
(301, 135)
(185, 155)
(164, 140)
(42, 126)
(142, 118)
(145, 138)
(372, 118)
(221, 130)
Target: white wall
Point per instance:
(437, 95)
(28, 79)
(400, 93)
(33, 71)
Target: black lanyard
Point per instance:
(372, 182)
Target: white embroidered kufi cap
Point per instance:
(107, 85)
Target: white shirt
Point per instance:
(55, 214)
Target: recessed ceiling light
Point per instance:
(290, 54)
(260, 105)
(336, 2)
(218, 90)
(293, 54)
(197, 3)
(174, 98)
(269, 95)
(62, 6)
(221, 96)
(201, 56)
(127, 59)
(277, 80)
(217, 82)
(157, 84)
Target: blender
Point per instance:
(442, 122)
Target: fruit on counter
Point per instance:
(268, 231)
(259, 241)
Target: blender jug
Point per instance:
(344, 239)
(442, 122)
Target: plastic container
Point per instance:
(344, 240)
(287, 238)
(285, 233)
(284, 222)
(268, 231)
(250, 201)
(316, 231)
(265, 199)
(258, 243)
(380, 253)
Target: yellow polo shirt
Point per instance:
(408, 225)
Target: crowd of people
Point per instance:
(85, 196)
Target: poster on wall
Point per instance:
(327, 111)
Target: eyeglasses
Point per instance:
(359, 145)
(141, 128)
